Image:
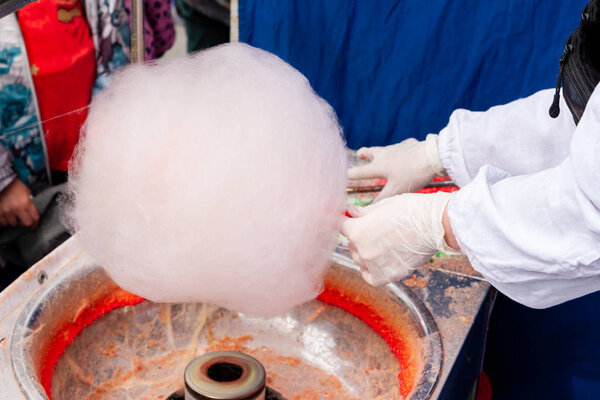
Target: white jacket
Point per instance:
(528, 212)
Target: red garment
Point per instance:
(62, 59)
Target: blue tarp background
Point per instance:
(394, 69)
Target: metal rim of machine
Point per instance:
(433, 350)
(29, 319)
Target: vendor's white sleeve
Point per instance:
(537, 237)
(518, 137)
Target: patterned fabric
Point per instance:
(20, 129)
(7, 174)
(109, 27)
(110, 30)
(159, 31)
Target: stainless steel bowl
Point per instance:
(141, 351)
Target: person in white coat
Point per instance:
(528, 212)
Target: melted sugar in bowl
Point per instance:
(82, 337)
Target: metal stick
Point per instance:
(378, 188)
(138, 47)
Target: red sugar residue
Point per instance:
(87, 314)
(448, 189)
(405, 353)
(350, 302)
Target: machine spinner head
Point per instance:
(225, 375)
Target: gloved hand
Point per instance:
(407, 166)
(16, 207)
(388, 240)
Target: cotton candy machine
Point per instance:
(81, 337)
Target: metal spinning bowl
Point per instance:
(316, 351)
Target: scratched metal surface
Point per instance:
(455, 294)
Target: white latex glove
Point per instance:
(388, 240)
(407, 166)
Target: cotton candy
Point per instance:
(216, 178)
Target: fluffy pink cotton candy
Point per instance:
(216, 178)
